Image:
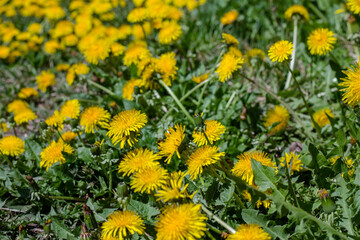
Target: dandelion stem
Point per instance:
(100, 87)
(57, 130)
(14, 130)
(291, 187)
(293, 55)
(65, 198)
(177, 101)
(210, 236)
(231, 99)
(110, 179)
(218, 220)
(213, 228)
(194, 89)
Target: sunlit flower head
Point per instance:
(137, 15)
(56, 120)
(169, 32)
(228, 64)
(121, 224)
(321, 41)
(24, 116)
(297, 10)
(125, 126)
(351, 85)
(249, 231)
(149, 179)
(45, 79)
(98, 50)
(201, 78)
(17, 106)
(137, 160)
(321, 117)
(180, 222)
(174, 189)
(173, 139)
(4, 52)
(135, 52)
(243, 168)
(278, 115)
(229, 17)
(27, 92)
(70, 109)
(213, 130)
(280, 51)
(117, 49)
(254, 53)
(68, 136)
(166, 66)
(354, 6)
(294, 159)
(230, 39)
(80, 68)
(11, 146)
(54, 153)
(201, 158)
(94, 116)
(129, 87)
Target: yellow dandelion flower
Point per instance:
(201, 158)
(54, 153)
(173, 139)
(166, 66)
(349, 162)
(135, 52)
(68, 136)
(249, 231)
(321, 117)
(45, 79)
(98, 50)
(149, 179)
(51, 46)
(12, 146)
(56, 120)
(4, 127)
(278, 115)
(229, 17)
(333, 160)
(4, 52)
(228, 64)
(354, 6)
(137, 160)
(94, 116)
(201, 78)
(351, 84)
(70, 109)
(296, 163)
(137, 15)
(179, 222)
(297, 10)
(34, 28)
(125, 126)
(117, 49)
(230, 39)
(174, 188)
(236, 52)
(128, 88)
(254, 53)
(17, 106)
(243, 168)
(70, 40)
(213, 131)
(70, 76)
(280, 51)
(62, 67)
(169, 32)
(80, 68)
(27, 92)
(24, 116)
(121, 224)
(321, 41)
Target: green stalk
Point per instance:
(213, 228)
(231, 99)
(194, 89)
(210, 236)
(57, 130)
(100, 87)
(293, 55)
(218, 220)
(110, 179)
(65, 198)
(177, 102)
(291, 187)
(78, 134)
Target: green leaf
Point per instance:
(145, 210)
(61, 230)
(84, 154)
(32, 150)
(264, 175)
(341, 138)
(357, 177)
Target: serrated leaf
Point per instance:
(61, 230)
(84, 154)
(32, 150)
(264, 175)
(145, 210)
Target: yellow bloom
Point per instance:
(174, 188)
(321, 117)
(137, 15)
(54, 153)
(321, 41)
(201, 158)
(228, 64)
(354, 6)
(297, 10)
(27, 92)
(117, 49)
(94, 116)
(70, 76)
(279, 115)
(128, 88)
(70, 109)
(254, 53)
(249, 231)
(54, 12)
(349, 162)
(201, 78)
(333, 160)
(24, 116)
(56, 120)
(166, 66)
(135, 52)
(230, 39)
(280, 51)
(229, 17)
(34, 28)
(173, 139)
(296, 163)
(179, 222)
(137, 160)
(98, 50)
(213, 131)
(45, 79)
(121, 224)
(68, 136)
(12, 146)
(170, 32)
(51, 46)
(351, 84)
(4, 127)
(17, 106)
(70, 40)
(62, 67)
(80, 68)
(149, 179)
(243, 168)
(4, 52)
(125, 126)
